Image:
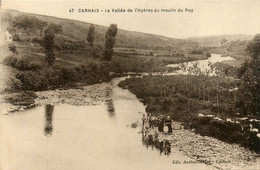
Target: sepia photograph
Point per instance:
(129, 85)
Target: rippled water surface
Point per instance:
(67, 137)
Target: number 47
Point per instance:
(71, 10)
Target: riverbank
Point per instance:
(209, 150)
(46, 126)
(80, 96)
(31, 77)
(199, 148)
(208, 109)
(29, 73)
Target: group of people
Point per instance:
(151, 127)
(164, 124)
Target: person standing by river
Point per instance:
(145, 124)
(143, 120)
(149, 119)
(153, 121)
(160, 124)
(168, 122)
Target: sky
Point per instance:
(209, 17)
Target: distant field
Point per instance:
(240, 59)
(130, 59)
(235, 49)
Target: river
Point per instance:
(205, 66)
(66, 137)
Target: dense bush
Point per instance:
(54, 28)
(136, 64)
(96, 52)
(116, 67)
(12, 48)
(23, 98)
(226, 70)
(208, 55)
(196, 52)
(188, 90)
(16, 37)
(37, 40)
(68, 45)
(21, 64)
(53, 77)
(249, 74)
(28, 23)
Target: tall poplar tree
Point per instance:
(110, 41)
(91, 35)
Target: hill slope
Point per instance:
(216, 41)
(77, 31)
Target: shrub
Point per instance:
(68, 74)
(116, 67)
(208, 55)
(96, 52)
(23, 98)
(12, 48)
(52, 77)
(13, 85)
(196, 52)
(10, 60)
(167, 103)
(27, 22)
(249, 72)
(16, 37)
(21, 64)
(37, 40)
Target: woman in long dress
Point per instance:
(168, 123)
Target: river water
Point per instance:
(67, 137)
(204, 66)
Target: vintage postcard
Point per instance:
(129, 85)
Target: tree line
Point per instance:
(49, 41)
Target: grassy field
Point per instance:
(74, 33)
(235, 49)
(85, 67)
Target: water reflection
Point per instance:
(102, 142)
(163, 145)
(48, 117)
(109, 102)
